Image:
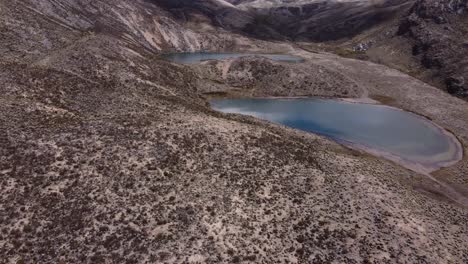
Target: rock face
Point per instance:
(439, 33)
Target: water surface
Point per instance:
(400, 134)
(196, 57)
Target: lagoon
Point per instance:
(393, 133)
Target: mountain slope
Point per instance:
(304, 20)
(431, 37)
(30, 28)
(439, 33)
(109, 154)
(428, 42)
(329, 20)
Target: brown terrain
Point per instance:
(109, 154)
(428, 41)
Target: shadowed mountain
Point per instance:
(327, 20)
(430, 42)
(438, 31)
(304, 20)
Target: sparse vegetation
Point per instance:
(108, 154)
(351, 54)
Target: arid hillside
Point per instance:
(428, 42)
(110, 154)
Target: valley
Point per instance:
(110, 153)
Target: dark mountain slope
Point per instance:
(438, 31)
(428, 42)
(220, 13)
(308, 21)
(328, 20)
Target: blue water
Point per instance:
(196, 57)
(386, 129)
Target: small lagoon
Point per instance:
(398, 135)
(197, 57)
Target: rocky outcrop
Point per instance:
(260, 77)
(438, 31)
